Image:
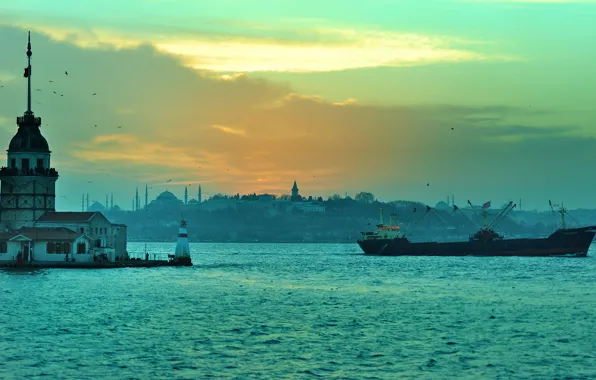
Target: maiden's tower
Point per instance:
(30, 228)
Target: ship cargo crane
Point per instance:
(510, 206)
(561, 210)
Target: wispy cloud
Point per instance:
(258, 48)
(115, 138)
(229, 130)
(357, 49)
(345, 102)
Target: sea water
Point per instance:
(271, 311)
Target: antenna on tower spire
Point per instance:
(28, 74)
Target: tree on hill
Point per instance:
(365, 197)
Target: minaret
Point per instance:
(107, 204)
(83, 203)
(28, 188)
(199, 195)
(87, 202)
(185, 195)
(182, 248)
(133, 203)
(137, 200)
(112, 201)
(146, 195)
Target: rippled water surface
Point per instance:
(272, 311)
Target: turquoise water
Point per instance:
(271, 311)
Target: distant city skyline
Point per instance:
(482, 99)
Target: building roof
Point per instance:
(6, 235)
(45, 233)
(66, 217)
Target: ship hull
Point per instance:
(570, 242)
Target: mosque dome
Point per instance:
(442, 206)
(96, 206)
(28, 139)
(166, 196)
(193, 202)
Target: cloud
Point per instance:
(346, 102)
(242, 134)
(229, 130)
(284, 48)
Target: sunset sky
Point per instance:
(487, 100)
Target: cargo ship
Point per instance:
(388, 240)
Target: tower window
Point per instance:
(40, 163)
(13, 163)
(25, 164)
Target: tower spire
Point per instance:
(28, 74)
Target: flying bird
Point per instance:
(54, 92)
(66, 72)
(428, 184)
(89, 182)
(95, 93)
(168, 180)
(51, 81)
(119, 126)
(95, 125)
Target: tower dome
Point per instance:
(28, 139)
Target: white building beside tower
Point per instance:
(30, 228)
